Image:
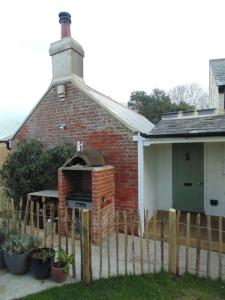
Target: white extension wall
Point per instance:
(165, 176)
(215, 178)
(158, 177)
(151, 179)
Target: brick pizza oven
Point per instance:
(85, 181)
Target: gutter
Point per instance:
(7, 144)
(184, 135)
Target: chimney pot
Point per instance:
(65, 21)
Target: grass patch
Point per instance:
(149, 286)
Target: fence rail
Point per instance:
(175, 242)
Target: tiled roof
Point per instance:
(218, 68)
(189, 126)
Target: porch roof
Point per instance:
(189, 127)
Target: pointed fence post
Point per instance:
(86, 247)
(172, 242)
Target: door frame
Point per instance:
(204, 174)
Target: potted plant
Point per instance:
(16, 251)
(41, 260)
(60, 268)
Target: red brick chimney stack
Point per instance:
(65, 21)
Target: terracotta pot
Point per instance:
(58, 274)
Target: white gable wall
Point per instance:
(213, 91)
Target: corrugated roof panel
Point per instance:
(128, 117)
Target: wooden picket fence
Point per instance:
(43, 221)
(178, 243)
(129, 248)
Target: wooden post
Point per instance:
(45, 225)
(172, 242)
(141, 242)
(220, 246)
(117, 242)
(209, 245)
(198, 243)
(59, 229)
(133, 246)
(13, 215)
(178, 239)
(100, 243)
(20, 215)
(37, 216)
(32, 217)
(147, 239)
(162, 243)
(73, 226)
(125, 239)
(155, 236)
(86, 247)
(108, 243)
(187, 242)
(26, 213)
(52, 224)
(66, 227)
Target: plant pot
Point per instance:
(2, 261)
(2, 237)
(41, 268)
(58, 274)
(17, 263)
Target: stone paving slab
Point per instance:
(17, 286)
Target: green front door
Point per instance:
(188, 177)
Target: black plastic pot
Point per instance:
(2, 237)
(41, 268)
(17, 263)
(2, 261)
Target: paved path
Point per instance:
(15, 286)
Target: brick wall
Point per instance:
(86, 121)
(103, 193)
(101, 181)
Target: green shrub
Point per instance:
(31, 168)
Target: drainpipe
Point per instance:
(140, 143)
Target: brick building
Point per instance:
(72, 111)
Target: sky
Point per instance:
(129, 45)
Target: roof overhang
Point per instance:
(181, 138)
(184, 135)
